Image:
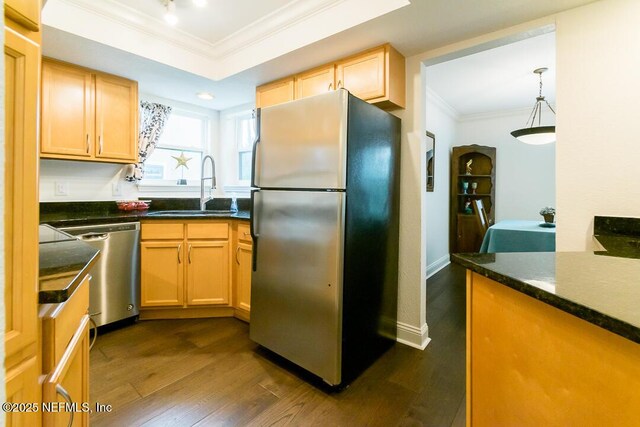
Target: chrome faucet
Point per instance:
(203, 200)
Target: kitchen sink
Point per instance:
(218, 212)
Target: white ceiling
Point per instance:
(223, 17)
(261, 40)
(498, 79)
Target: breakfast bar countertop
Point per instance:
(601, 287)
(63, 262)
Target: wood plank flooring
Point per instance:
(206, 372)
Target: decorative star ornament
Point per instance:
(182, 160)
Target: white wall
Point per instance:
(441, 121)
(525, 174)
(93, 181)
(228, 146)
(598, 151)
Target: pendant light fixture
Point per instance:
(537, 135)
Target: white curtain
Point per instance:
(153, 118)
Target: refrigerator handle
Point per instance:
(255, 149)
(252, 229)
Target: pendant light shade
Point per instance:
(537, 135)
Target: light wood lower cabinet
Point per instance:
(65, 359)
(200, 260)
(162, 274)
(67, 387)
(531, 364)
(199, 268)
(208, 273)
(243, 267)
(22, 387)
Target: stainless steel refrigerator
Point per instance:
(324, 219)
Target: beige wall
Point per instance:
(598, 97)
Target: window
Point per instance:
(185, 136)
(245, 135)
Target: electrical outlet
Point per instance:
(62, 189)
(116, 189)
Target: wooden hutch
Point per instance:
(470, 164)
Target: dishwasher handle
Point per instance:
(92, 237)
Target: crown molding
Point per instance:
(138, 21)
(261, 29)
(500, 113)
(442, 104)
(291, 27)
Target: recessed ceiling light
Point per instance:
(205, 95)
(170, 14)
(200, 3)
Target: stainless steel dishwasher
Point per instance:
(114, 293)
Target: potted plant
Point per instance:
(549, 214)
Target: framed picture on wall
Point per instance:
(431, 160)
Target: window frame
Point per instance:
(170, 184)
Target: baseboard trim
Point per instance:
(412, 336)
(438, 265)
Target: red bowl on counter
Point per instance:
(133, 205)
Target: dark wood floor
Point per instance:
(207, 372)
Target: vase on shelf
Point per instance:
(465, 187)
(474, 187)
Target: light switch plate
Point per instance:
(62, 188)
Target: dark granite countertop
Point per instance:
(71, 214)
(63, 265)
(601, 287)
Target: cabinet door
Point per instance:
(315, 82)
(243, 276)
(162, 274)
(24, 12)
(69, 382)
(363, 76)
(22, 58)
(468, 239)
(22, 387)
(275, 93)
(67, 111)
(116, 118)
(208, 273)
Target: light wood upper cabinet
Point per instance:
(315, 82)
(364, 75)
(376, 76)
(67, 110)
(275, 93)
(162, 273)
(116, 117)
(24, 12)
(208, 273)
(88, 115)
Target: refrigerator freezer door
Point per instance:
(296, 290)
(302, 144)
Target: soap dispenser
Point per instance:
(234, 204)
